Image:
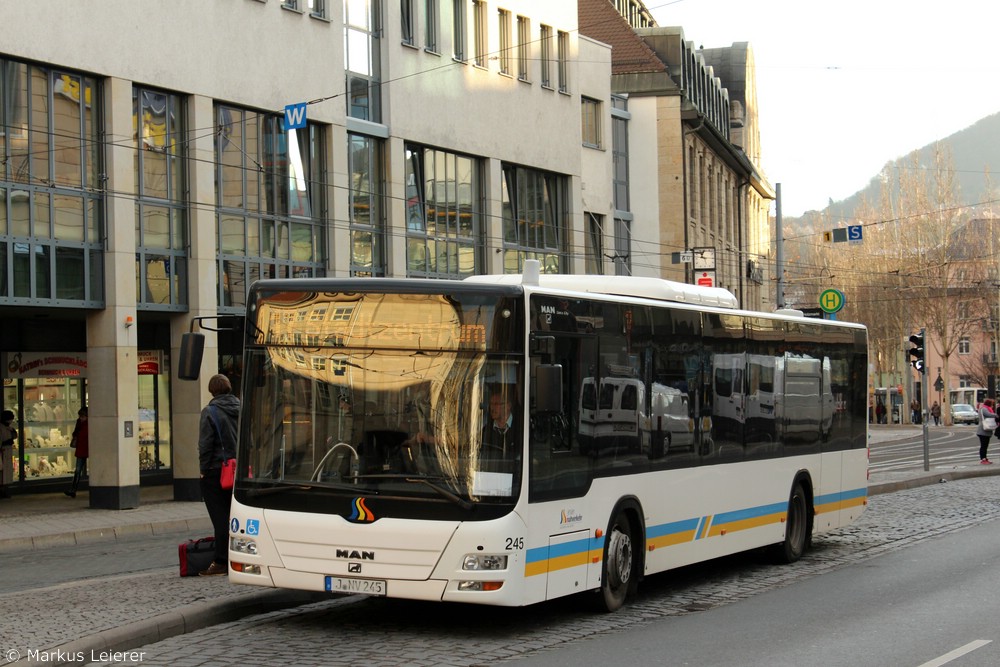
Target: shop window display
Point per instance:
(154, 422)
(46, 413)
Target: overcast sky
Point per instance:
(844, 87)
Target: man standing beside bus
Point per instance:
(216, 443)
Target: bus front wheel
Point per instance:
(618, 578)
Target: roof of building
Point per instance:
(629, 52)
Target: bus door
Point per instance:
(570, 565)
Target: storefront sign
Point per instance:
(45, 364)
(150, 362)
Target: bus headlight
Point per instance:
(480, 585)
(243, 545)
(484, 562)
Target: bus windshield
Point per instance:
(408, 395)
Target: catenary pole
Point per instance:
(924, 410)
(779, 251)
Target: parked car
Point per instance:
(963, 413)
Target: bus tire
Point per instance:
(618, 571)
(797, 527)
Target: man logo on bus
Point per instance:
(360, 512)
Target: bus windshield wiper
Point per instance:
(423, 479)
(272, 490)
(461, 502)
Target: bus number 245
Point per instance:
(515, 543)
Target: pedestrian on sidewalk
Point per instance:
(880, 412)
(81, 449)
(8, 434)
(984, 431)
(216, 443)
(936, 413)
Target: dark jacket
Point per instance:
(211, 450)
(82, 435)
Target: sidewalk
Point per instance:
(888, 482)
(136, 610)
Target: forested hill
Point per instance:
(975, 151)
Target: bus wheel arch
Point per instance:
(798, 522)
(623, 559)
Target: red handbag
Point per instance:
(228, 474)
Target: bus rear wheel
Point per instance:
(618, 578)
(797, 528)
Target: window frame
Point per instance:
(432, 26)
(258, 231)
(562, 54)
(460, 240)
(523, 48)
(172, 256)
(459, 31)
(590, 122)
(506, 43)
(545, 45)
(480, 34)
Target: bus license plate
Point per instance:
(355, 586)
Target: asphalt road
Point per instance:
(27, 570)
(925, 605)
(860, 585)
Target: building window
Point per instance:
(406, 16)
(545, 45)
(479, 32)
(291, 4)
(591, 122)
(458, 30)
(361, 27)
(161, 220)
(523, 47)
(51, 206)
(623, 247)
(431, 25)
(367, 214)
(533, 206)
(963, 310)
(562, 54)
(317, 8)
(619, 151)
(271, 207)
(444, 214)
(506, 44)
(964, 345)
(594, 243)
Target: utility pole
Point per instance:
(919, 364)
(779, 254)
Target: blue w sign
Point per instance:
(295, 116)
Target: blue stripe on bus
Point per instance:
(749, 513)
(672, 528)
(540, 560)
(832, 502)
(841, 495)
(564, 549)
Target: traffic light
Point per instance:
(917, 351)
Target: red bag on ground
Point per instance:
(196, 555)
(228, 473)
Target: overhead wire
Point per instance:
(336, 224)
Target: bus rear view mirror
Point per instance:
(548, 388)
(192, 350)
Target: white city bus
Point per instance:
(370, 461)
